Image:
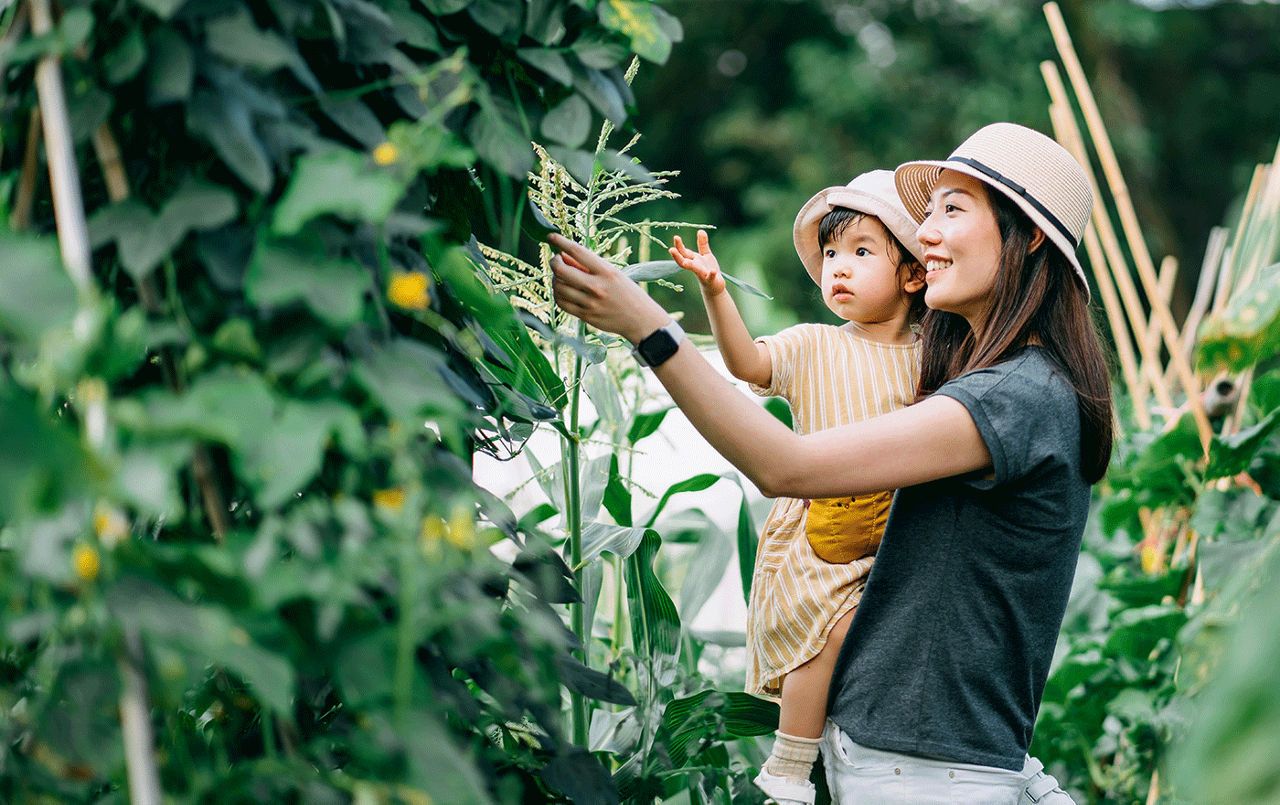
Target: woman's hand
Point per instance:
(589, 287)
(702, 263)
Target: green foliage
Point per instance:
(246, 450)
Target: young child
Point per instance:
(858, 244)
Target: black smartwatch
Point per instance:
(662, 343)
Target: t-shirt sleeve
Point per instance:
(1022, 411)
(786, 350)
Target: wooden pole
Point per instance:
(1227, 282)
(1074, 142)
(1129, 220)
(1110, 300)
(1210, 276)
(1168, 275)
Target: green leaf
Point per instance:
(578, 678)
(1248, 331)
(636, 20)
(444, 7)
(502, 19)
(544, 21)
(569, 122)
(42, 464)
(418, 30)
(1135, 632)
(287, 456)
(332, 289)
(751, 289)
(75, 27)
(171, 70)
(1232, 454)
(500, 143)
(404, 377)
(227, 123)
(337, 182)
(695, 484)
(35, 292)
(163, 8)
(598, 51)
(550, 62)
(645, 424)
(748, 544)
(144, 240)
(652, 270)
(237, 39)
(580, 164)
(655, 623)
(603, 94)
(599, 537)
(617, 497)
(125, 60)
(713, 715)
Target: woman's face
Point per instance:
(962, 243)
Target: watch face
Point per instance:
(656, 347)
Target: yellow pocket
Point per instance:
(843, 529)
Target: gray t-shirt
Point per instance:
(949, 651)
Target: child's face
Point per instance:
(962, 245)
(860, 277)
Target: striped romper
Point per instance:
(830, 377)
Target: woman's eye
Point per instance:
(951, 208)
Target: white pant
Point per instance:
(860, 775)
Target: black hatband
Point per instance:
(1021, 191)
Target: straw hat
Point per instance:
(873, 193)
(1039, 175)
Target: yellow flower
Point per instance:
(408, 290)
(86, 562)
(385, 154)
(1150, 558)
(391, 499)
(462, 529)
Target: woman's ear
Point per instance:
(1037, 238)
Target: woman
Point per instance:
(937, 686)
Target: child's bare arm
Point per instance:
(744, 358)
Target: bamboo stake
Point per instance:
(1129, 220)
(1168, 275)
(25, 198)
(68, 209)
(73, 241)
(1110, 301)
(1246, 212)
(1074, 142)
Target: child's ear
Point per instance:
(1037, 238)
(915, 278)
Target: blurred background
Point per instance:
(768, 101)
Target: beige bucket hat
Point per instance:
(873, 193)
(1036, 173)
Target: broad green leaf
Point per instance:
(614, 731)
(444, 7)
(599, 537)
(636, 20)
(337, 182)
(227, 123)
(713, 715)
(544, 21)
(1232, 454)
(580, 164)
(404, 377)
(1135, 632)
(655, 623)
(428, 748)
(500, 143)
(695, 484)
(171, 70)
(652, 270)
(418, 29)
(35, 292)
(163, 8)
(332, 289)
(237, 39)
(125, 60)
(550, 62)
(42, 464)
(1248, 331)
(646, 424)
(620, 163)
(602, 92)
(712, 553)
(578, 678)
(579, 777)
(617, 497)
(599, 51)
(569, 122)
(502, 19)
(288, 455)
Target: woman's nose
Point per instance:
(927, 233)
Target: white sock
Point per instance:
(792, 756)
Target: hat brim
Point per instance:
(916, 181)
(805, 231)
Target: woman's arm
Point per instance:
(743, 357)
(933, 439)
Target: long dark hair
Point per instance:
(1036, 298)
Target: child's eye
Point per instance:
(829, 253)
(862, 251)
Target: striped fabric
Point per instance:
(830, 377)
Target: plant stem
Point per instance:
(572, 474)
(135, 724)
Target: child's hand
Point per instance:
(702, 263)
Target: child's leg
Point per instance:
(785, 776)
(804, 690)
